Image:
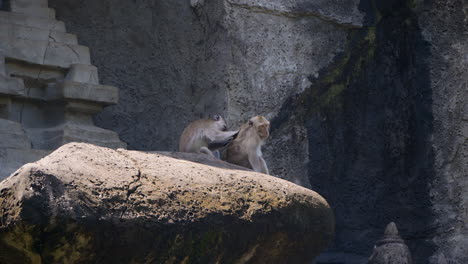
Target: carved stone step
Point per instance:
(33, 11)
(25, 20)
(12, 135)
(13, 159)
(13, 31)
(83, 73)
(2, 64)
(11, 86)
(45, 52)
(28, 3)
(52, 138)
(69, 90)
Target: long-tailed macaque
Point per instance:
(206, 136)
(246, 149)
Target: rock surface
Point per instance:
(367, 99)
(84, 203)
(444, 24)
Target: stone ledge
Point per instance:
(54, 137)
(83, 73)
(28, 3)
(25, 20)
(12, 31)
(41, 12)
(11, 86)
(44, 52)
(70, 90)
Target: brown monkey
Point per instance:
(206, 136)
(245, 150)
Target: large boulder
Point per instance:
(89, 204)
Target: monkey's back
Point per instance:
(192, 137)
(237, 154)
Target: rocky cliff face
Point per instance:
(444, 24)
(367, 98)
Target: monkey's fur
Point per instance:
(245, 150)
(206, 136)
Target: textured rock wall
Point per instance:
(366, 98)
(148, 49)
(444, 24)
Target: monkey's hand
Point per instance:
(218, 144)
(221, 139)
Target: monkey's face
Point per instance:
(261, 126)
(263, 131)
(219, 122)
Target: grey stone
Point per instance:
(71, 90)
(12, 135)
(32, 33)
(391, 249)
(2, 63)
(83, 73)
(54, 137)
(384, 107)
(23, 49)
(61, 37)
(34, 11)
(28, 3)
(25, 20)
(45, 52)
(44, 111)
(12, 159)
(34, 71)
(345, 12)
(63, 55)
(11, 86)
(185, 211)
(444, 26)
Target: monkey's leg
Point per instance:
(205, 150)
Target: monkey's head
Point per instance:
(219, 122)
(261, 126)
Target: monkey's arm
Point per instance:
(264, 168)
(218, 144)
(221, 136)
(258, 164)
(221, 139)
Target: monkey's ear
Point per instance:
(250, 123)
(216, 117)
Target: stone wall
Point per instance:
(367, 99)
(49, 90)
(444, 24)
(149, 49)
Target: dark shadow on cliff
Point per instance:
(369, 122)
